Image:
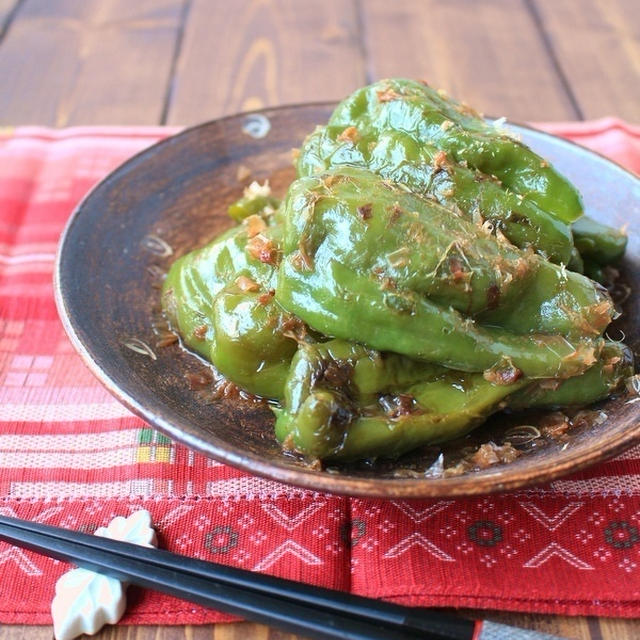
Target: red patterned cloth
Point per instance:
(71, 455)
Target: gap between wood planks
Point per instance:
(184, 16)
(8, 11)
(535, 16)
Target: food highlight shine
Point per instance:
(424, 271)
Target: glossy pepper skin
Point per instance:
(613, 366)
(420, 281)
(220, 300)
(346, 402)
(599, 246)
(409, 133)
(251, 346)
(598, 242)
(333, 409)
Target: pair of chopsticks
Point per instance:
(298, 608)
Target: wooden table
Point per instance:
(137, 62)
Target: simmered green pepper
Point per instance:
(406, 288)
(417, 280)
(346, 402)
(613, 366)
(598, 242)
(409, 133)
(599, 246)
(221, 300)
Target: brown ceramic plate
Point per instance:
(177, 192)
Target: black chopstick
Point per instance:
(295, 607)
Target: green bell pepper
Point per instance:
(410, 134)
(417, 280)
(220, 299)
(328, 411)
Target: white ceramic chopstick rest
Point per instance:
(85, 601)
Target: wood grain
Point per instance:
(578, 628)
(597, 47)
(7, 7)
(235, 631)
(253, 53)
(95, 61)
(618, 629)
(490, 54)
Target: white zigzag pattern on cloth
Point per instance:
(419, 515)
(13, 554)
(172, 516)
(551, 522)
(417, 539)
(290, 523)
(554, 549)
(42, 517)
(287, 547)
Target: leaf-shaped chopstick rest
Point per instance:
(85, 601)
